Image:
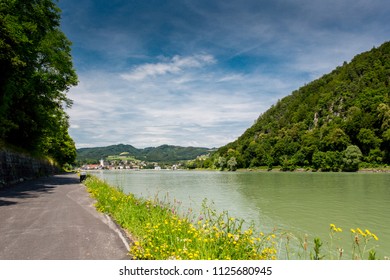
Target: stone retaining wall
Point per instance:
(16, 167)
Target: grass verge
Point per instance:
(160, 233)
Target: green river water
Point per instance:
(301, 203)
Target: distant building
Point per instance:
(91, 166)
(175, 166)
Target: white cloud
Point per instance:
(208, 98)
(194, 107)
(231, 77)
(173, 66)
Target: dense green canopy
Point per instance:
(164, 153)
(326, 124)
(36, 72)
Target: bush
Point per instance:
(327, 161)
(351, 158)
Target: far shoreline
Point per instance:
(256, 170)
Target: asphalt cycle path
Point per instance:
(54, 219)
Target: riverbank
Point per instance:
(384, 169)
(162, 229)
(160, 233)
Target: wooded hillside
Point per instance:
(330, 124)
(164, 153)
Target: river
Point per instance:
(301, 203)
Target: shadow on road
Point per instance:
(12, 194)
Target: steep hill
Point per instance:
(164, 153)
(314, 125)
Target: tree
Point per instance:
(386, 143)
(37, 71)
(384, 115)
(268, 160)
(221, 163)
(351, 158)
(318, 159)
(288, 164)
(375, 156)
(232, 164)
(60, 146)
(336, 140)
(327, 161)
(368, 140)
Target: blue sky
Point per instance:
(199, 73)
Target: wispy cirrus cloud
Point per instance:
(173, 65)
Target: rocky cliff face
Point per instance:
(15, 167)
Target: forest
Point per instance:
(36, 72)
(334, 123)
(163, 153)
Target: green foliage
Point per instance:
(372, 255)
(169, 153)
(37, 70)
(317, 249)
(351, 158)
(327, 161)
(232, 164)
(368, 140)
(315, 124)
(287, 164)
(164, 153)
(221, 163)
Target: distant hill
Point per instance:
(314, 126)
(164, 153)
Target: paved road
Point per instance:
(54, 218)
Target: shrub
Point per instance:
(351, 158)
